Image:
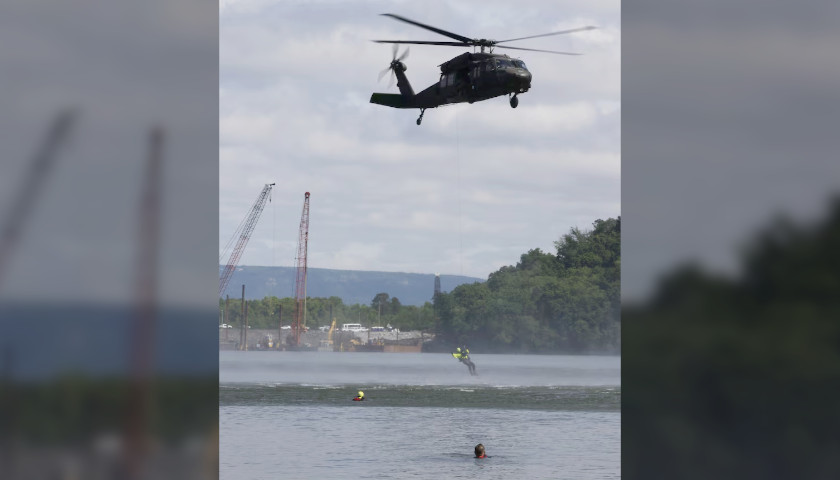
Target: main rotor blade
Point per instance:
(581, 29)
(411, 42)
(536, 50)
(427, 27)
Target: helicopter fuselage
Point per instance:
(470, 77)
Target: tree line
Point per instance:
(561, 302)
(565, 302)
(383, 310)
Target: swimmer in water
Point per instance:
(479, 451)
(360, 397)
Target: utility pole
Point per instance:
(242, 322)
(279, 324)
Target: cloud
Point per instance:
(470, 190)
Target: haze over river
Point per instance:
(291, 415)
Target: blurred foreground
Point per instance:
(739, 378)
(108, 192)
(78, 427)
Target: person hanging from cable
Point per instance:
(463, 356)
(466, 358)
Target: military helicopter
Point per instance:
(469, 77)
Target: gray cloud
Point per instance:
(467, 192)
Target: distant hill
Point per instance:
(351, 286)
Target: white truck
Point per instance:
(353, 327)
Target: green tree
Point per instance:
(562, 302)
(380, 301)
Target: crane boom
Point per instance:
(244, 233)
(300, 281)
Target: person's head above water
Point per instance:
(479, 451)
(361, 394)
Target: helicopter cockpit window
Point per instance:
(519, 64)
(503, 63)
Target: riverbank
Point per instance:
(260, 339)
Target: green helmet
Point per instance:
(458, 349)
(361, 393)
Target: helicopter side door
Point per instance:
(479, 76)
(447, 86)
(489, 77)
(475, 76)
(447, 80)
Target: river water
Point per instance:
(290, 415)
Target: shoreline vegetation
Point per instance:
(565, 302)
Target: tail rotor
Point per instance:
(396, 63)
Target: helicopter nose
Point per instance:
(518, 79)
(523, 78)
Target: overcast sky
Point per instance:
(467, 192)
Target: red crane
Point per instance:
(300, 282)
(243, 232)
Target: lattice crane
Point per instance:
(300, 281)
(242, 235)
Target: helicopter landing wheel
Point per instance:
(420, 119)
(514, 101)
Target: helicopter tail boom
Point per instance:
(394, 100)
